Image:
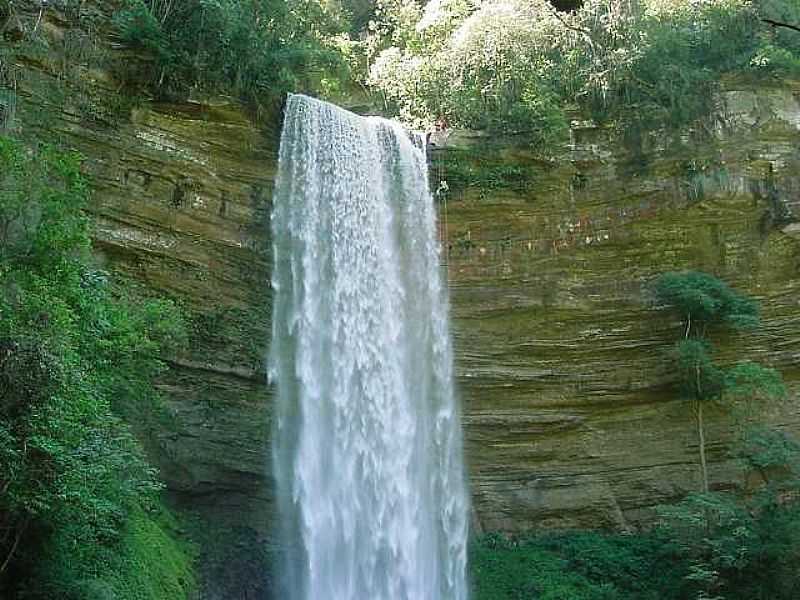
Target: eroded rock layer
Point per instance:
(180, 198)
(570, 417)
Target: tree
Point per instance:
(703, 301)
(514, 65)
(256, 50)
(744, 547)
(725, 540)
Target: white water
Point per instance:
(367, 450)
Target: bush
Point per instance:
(580, 565)
(515, 66)
(254, 50)
(735, 549)
(708, 545)
(76, 351)
(476, 69)
(779, 47)
(679, 51)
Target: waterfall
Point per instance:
(367, 439)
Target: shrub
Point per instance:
(76, 351)
(515, 66)
(586, 565)
(254, 50)
(708, 545)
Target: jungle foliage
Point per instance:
(580, 565)
(256, 51)
(708, 546)
(523, 66)
(518, 66)
(80, 515)
(718, 545)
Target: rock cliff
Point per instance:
(569, 418)
(181, 205)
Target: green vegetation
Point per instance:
(577, 566)
(515, 65)
(735, 550)
(744, 546)
(725, 538)
(503, 65)
(780, 50)
(256, 51)
(708, 546)
(80, 515)
(484, 170)
(703, 301)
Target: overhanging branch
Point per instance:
(779, 24)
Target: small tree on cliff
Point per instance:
(704, 301)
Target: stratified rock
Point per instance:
(570, 416)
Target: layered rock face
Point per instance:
(570, 419)
(181, 205)
(181, 198)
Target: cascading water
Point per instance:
(368, 454)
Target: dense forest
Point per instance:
(505, 65)
(82, 515)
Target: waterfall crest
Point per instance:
(367, 438)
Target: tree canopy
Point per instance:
(517, 65)
(703, 300)
(78, 351)
(505, 65)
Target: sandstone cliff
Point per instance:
(569, 416)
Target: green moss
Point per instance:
(153, 563)
(238, 562)
(483, 169)
(150, 560)
(236, 336)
